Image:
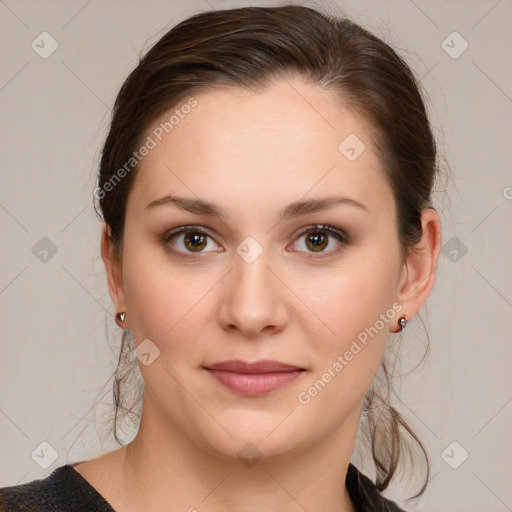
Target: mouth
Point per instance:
(256, 378)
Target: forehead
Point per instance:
(292, 138)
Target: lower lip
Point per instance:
(255, 383)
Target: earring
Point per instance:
(120, 317)
(402, 322)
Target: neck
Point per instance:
(164, 469)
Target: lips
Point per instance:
(264, 366)
(254, 379)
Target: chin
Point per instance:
(256, 435)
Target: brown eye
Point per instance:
(195, 241)
(317, 241)
(188, 240)
(318, 238)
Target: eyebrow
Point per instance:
(201, 207)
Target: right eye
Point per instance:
(188, 240)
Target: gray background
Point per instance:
(56, 353)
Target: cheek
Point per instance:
(165, 304)
(352, 298)
(356, 308)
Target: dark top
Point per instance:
(66, 490)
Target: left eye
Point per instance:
(317, 238)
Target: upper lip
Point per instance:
(263, 366)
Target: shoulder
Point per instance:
(365, 495)
(63, 490)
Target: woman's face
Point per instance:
(260, 282)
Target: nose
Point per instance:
(253, 298)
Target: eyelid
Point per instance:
(327, 228)
(189, 228)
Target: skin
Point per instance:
(253, 153)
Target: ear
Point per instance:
(114, 274)
(419, 272)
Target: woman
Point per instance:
(265, 188)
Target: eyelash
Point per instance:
(340, 236)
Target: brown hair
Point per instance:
(252, 47)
